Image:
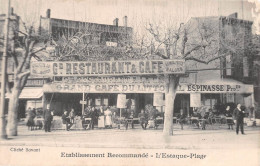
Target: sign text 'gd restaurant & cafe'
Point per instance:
(101, 68)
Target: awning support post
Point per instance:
(83, 99)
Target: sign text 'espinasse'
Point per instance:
(108, 68)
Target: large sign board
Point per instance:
(138, 85)
(154, 79)
(103, 88)
(35, 82)
(217, 88)
(103, 68)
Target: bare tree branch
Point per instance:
(193, 49)
(39, 50)
(21, 75)
(21, 65)
(204, 61)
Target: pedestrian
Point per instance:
(129, 118)
(108, 118)
(211, 116)
(143, 119)
(195, 118)
(239, 115)
(66, 120)
(48, 117)
(230, 120)
(94, 117)
(204, 120)
(181, 118)
(72, 115)
(31, 116)
(101, 111)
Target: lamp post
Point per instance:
(3, 76)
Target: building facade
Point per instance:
(232, 71)
(87, 71)
(210, 86)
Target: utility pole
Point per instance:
(3, 76)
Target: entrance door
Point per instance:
(181, 102)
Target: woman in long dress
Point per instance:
(108, 118)
(31, 116)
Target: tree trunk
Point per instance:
(12, 112)
(3, 125)
(169, 105)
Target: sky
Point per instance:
(139, 12)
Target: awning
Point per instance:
(30, 93)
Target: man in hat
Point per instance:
(143, 119)
(239, 115)
(47, 116)
(66, 120)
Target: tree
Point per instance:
(21, 52)
(199, 41)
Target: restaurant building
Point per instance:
(79, 84)
(71, 83)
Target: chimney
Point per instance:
(115, 22)
(48, 13)
(125, 21)
(12, 11)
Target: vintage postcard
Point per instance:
(129, 82)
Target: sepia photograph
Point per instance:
(129, 82)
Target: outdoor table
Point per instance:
(77, 123)
(56, 123)
(188, 119)
(217, 119)
(121, 122)
(159, 119)
(130, 121)
(86, 123)
(229, 120)
(194, 120)
(174, 120)
(203, 121)
(39, 122)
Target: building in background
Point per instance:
(31, 96)
(98, 34)
(228, 80)
(232, 72)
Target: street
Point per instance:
(214, 146)
(214, 137)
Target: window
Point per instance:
(245, 67)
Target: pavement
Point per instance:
(215, 146)
(216, 137)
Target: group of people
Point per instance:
(93, 114)
(232, 117)
(112, 117)
(47, 119)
